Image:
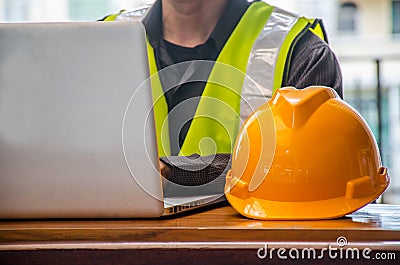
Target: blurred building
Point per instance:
(368, 39)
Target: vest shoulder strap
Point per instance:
(317, 27)
(136, 14)
(112, 17)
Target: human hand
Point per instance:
(165, 173)
(165, 169)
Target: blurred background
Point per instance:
(365, 34)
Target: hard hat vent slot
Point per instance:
(382, 177)
(382, 171)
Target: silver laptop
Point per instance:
(77, 137)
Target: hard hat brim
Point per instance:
(262, 209)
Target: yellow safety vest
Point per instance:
(257, 52)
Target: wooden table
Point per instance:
(216, 235)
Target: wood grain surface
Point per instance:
(213, 235)
(217, 224)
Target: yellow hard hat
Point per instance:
(305, 154)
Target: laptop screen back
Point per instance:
(64, 121)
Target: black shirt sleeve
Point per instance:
(314, 63)
(196, 170)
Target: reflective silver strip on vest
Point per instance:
(135, 14)
(259, 80)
